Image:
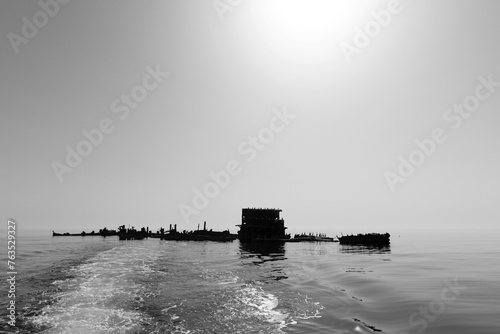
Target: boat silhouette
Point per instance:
(365, 239)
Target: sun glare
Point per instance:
(307, 31)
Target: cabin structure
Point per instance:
(261, 224)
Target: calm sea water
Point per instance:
(439, 282)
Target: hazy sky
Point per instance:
(309, 104)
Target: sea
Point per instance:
(433, 282)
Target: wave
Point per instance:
(145, 287)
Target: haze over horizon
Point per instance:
(186, 112)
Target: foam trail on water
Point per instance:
(102, 296)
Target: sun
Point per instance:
(308, 30)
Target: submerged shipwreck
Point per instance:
(262, 224)
(257, 224)
(311, 237)
(102, 232)
(197, 235)
(365, 239)
(132, 233)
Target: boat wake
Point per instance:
(100, 296)
(136, 289)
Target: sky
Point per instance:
(350, 116)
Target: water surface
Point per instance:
(438, 282)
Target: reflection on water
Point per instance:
(267, 255)
(365, 249)
(275, 250)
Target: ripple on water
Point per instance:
(132, 289)
(223, 303)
